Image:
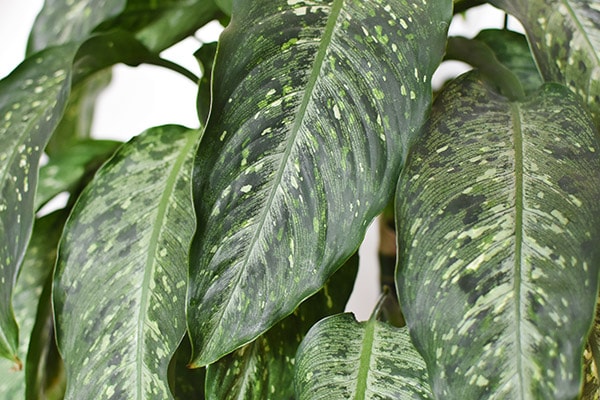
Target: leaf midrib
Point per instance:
(518, 148)
(149, 265)
(298, 121)
(365, 359)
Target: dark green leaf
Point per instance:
(498, 224)
(120, 282)
(264, 369)
(65, 171)
(206, 57)
(512, 50)
(565, 38)
(37, 267)
(307, 133)
(344, 359)
(32, 100)
(225, 6)
(64, 21)
(185, 383)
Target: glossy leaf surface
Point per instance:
(305, 140)
(121, 275)
(264, 369)
(498, 225)
(32, 100)
(565, 38)
(341, 358)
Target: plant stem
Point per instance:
(161, 62)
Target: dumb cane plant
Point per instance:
(215, 262)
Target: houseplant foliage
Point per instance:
(215, 261)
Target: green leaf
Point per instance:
(64, 21)
(37, 267)
(498, 224)
(512, 50)
(206, 58)
(565, 39)
(264, 369)
(225, 5)
(120, 282)
(186, 383)
(307, 133)
(65, 171)
(341, 358)
(32, 100)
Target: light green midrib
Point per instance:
(365, 360)
(310, 86)
(518, 147)
(149, 264)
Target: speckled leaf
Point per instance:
(307, 133)
(343, 359)
(64, 21)
(498, 220)
(264, 369)
(65, 171)
(32, 100)
(512, 50)
(120, 282)
(37, 267)
(591, 361)
(565, 38)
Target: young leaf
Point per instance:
(121, 272)
(32, 100)
(264, 369)
(498, 224)
(343, 359)
(565, 38)
(307, 133)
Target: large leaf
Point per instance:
(308, 129)
(341, 358)
(565, 38)
(264, 369)
(120, 282)
(499, 220)
(32, 100)
(37, 267)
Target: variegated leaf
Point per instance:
(120, 282)
(499, 221)
(264, 369)
(343, 359)
(591, 361)
(308, 129)
(565, 38)
(32, 100)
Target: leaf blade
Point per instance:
(138, 229)
(300, 159)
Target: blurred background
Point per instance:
(146, 96)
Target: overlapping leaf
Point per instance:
(120, 282)
(264, 369)
(307, 132)
(565, 38)
(32, 100)
(341, 358)
(498, 219)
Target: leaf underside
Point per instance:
(498, 268)
(341, 358)
(305, 140)
(120, 281)
(32, 100)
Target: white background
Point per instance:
(146, 96)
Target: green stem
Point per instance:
(480, 56)
(161, 62)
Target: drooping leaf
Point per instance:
(264, 369)
(498, 225)
(66, 170)
(32, 100)
(565, 38)
(120, 282)
(512, 50)
(64, 21)
(308, 129)
(37, 267)
(76, 123)
(341, 358)
(206, 58)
